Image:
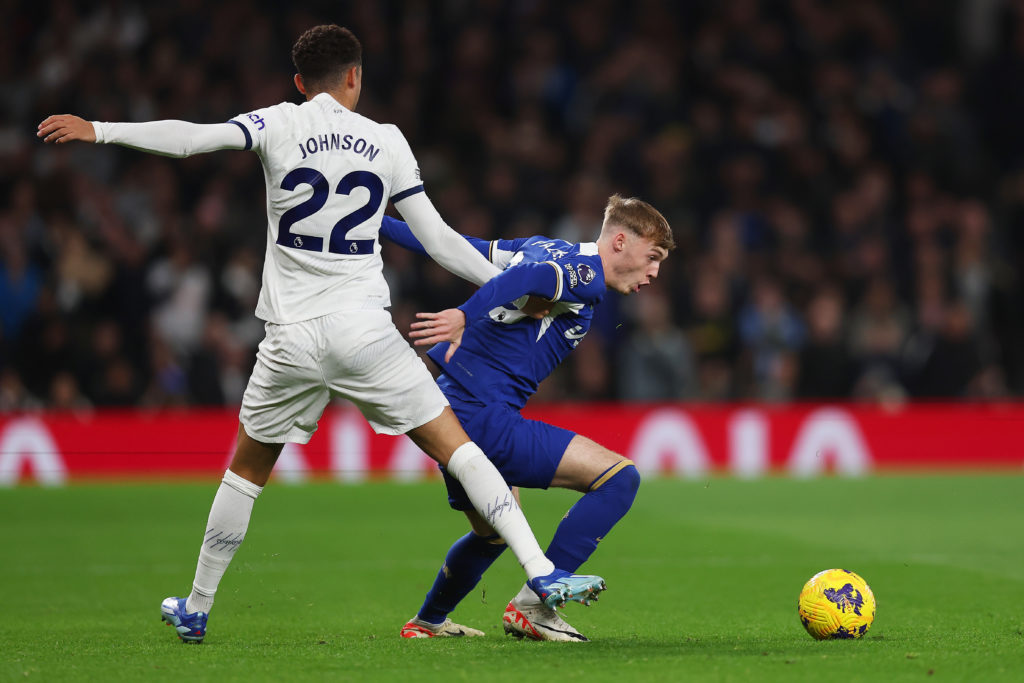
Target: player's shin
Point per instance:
(225, 530)
(493, 499)
(467, 560)
(593, 516)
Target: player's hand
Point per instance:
(434, 328)
(61, 128)
(537, 307)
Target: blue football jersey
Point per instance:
(505, 354)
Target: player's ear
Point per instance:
(353, 76)
(300, 84)
(619, 241)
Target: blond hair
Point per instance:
(640, 218)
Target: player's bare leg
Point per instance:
(584, 461)
(226, 526)
(440, 437)
(254, 460)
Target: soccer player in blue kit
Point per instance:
(493, 352)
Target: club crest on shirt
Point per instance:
(586, 273)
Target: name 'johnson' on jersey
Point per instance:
(330, 173)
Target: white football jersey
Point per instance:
(330, 173)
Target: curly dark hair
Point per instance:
(323, 53)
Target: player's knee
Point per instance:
(632, 477)
(619, 488)
(622, 475)
(629, 482)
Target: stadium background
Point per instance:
(843, 180)
(844, 185)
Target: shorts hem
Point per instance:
(406, 427)
(293, 436)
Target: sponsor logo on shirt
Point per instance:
(573, 278)
(258, 120)
(575, 335)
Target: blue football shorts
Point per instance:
(526, 452)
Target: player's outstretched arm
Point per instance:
(167, 138)
(397, 232)
(443, 244)
(61, 128)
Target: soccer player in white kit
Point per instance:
(330, 173)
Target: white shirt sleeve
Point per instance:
(444, 245)
(172, 138)
(405, 172)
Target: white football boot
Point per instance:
(417, 628)
(537, 621)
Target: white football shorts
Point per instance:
(357, 355)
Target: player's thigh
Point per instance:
(286, 395)
(583, 462)
(525, 452)
(368, 362)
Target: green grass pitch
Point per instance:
(703, 580)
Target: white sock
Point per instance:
(225, 531)
(526, 596)
(494, 500)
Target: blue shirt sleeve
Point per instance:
(396, 231)
(538, 279)
(511, 245)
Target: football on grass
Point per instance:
(836, 603)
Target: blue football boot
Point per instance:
(191, 628)
(558, 587)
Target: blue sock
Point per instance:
(467, 560)
(593, 516)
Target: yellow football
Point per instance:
(836, 603)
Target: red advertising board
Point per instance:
(675, 439)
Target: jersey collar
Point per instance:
(328, 102)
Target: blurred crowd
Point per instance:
(844, 180)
